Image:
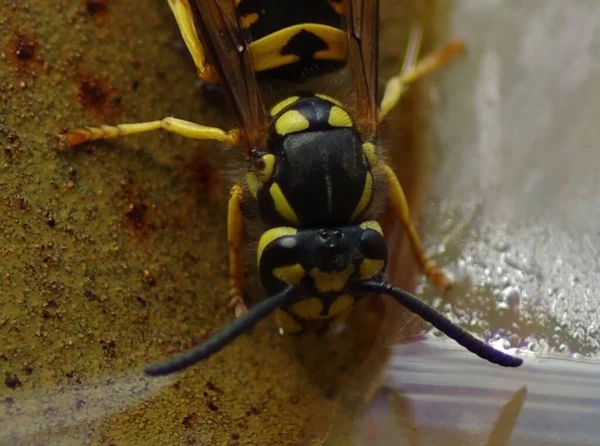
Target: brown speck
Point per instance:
(96, 94)
(51, 222)
(204, 175)
(235, 436)
(148, 279)
(210, 386)
(212, 406)
(109, 348)
(28, 370)
(190, 420)
(92, 93)
(96, 7)
(23, 48)
(137, 217)
(90, 295)
(12, 381)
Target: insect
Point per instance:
(282, 38)
(314, 177)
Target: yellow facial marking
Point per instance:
(341, 305)
(291, 121)
(371, 224)
(309, 308)
(265, 173)
(248, 20)
(253, 183)
(365, 198)
(369, 152)
(325, 282)
(282, 206)
(287, 324)
(272, 235)
(329, 98)
(283, 104)
(338, 117)
(370, 267)
(290, 274)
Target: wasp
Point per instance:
(315, 177)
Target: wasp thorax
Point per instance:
(315, 171)
(329, 257)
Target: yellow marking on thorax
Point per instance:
(338, 117)
(282, 206)
(365, 197)
(283, 104)
(248, 20)
(290, 274)
(329, 99)
(309, 308)
(291, 121)
(370, 267)
(325, 282)
(368, 149)
(272, 235)
(264, 175)
(341, 305)
(266, 52)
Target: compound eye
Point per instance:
(373, 245)
(374, 250)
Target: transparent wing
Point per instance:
(227, 50)
(362, 23)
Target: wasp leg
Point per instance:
(402, 213)
(235, 237)
(185, 21)
(173, 125)
(411, 70)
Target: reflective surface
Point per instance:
(513, 216)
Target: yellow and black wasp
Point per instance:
(315, 174)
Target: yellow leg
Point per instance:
(411, 70)
(173, 125)
(185, 21)
(402, 213)
(235, 237)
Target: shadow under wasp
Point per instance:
(315, 176)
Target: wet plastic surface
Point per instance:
(513, 216)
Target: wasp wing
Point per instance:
(227, 50)
(362, 23)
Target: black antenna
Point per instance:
(242, 324)
(439, 321)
